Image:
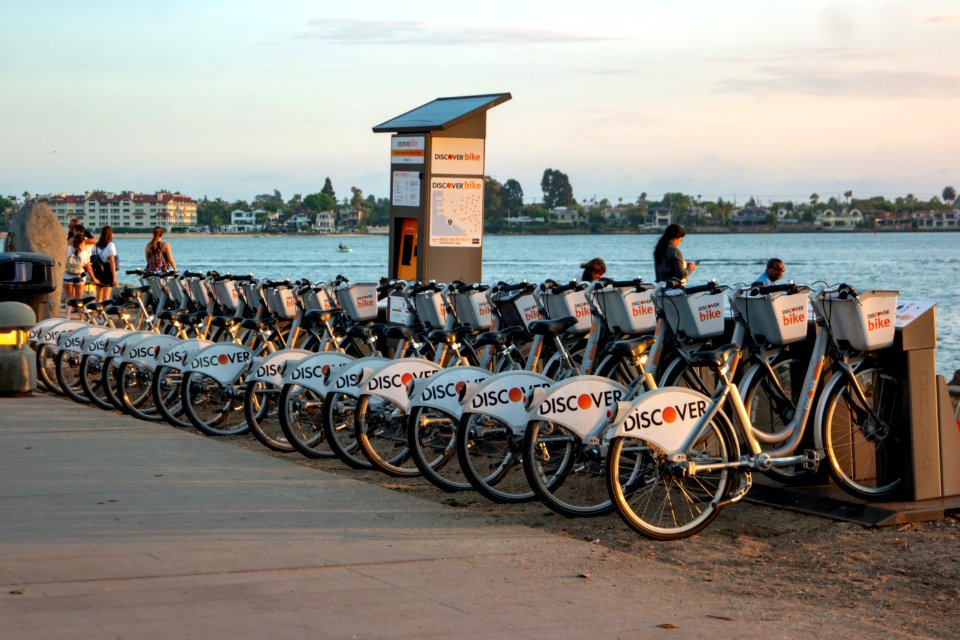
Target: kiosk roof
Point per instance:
(441, 113)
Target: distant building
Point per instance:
(658, 217)
(843, 220)
(751, 217)
(326, 222)
(350, 221)
(565, 216)
(123, 210)
(242, 222)
(939, 219)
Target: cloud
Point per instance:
(818, 81)
(410, 32)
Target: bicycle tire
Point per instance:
(91, 381)
(67, 365)
(110, 368)
(432, 440)
(260, 406)
(339, 431)
(567, 476)
(865, 458)
(660, 504)
(381, 432)
(213, 408)
(678, 373)
(47, 369)
(301, 420)
(489, 455)
(135, 393)
(165, 388)
(618, 368)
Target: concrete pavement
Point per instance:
(115, 528)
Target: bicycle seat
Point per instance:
(714, 358)
(321, 315)
(401, 332)
(251, 323)
(80, 303)
(552, 327)
(191, 319)
(497, 338)
(362, 331)
(633, 348)
(223, 321)
(454, 335)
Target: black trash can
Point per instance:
(27, 278)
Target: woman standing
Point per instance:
(78, 264)
(158, 253)
(103, 262)
(668, 261)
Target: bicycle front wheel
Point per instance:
(567, 475)
(67, 365)
(133, 391)
(214, 409)
(301, 420)
(432, 439)
(165, 388)
(656, 498)
(864, 450)
(339, 431)
(489, 454)
(92, 381)
(381, 432)
(260, 404)
(47, 368)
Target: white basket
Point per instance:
(398, 312)
(198, 289)
(358, 299)
(775, 318)
(867, 322)
(430, 308)
(572, 302)
(251, 294)
(473, 308)
(318, 300)
(628, 310)
(177, 292)
(698, 315)
(281, 302)
(227, 295)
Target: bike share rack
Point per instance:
(933, 453)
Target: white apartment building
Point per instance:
(326, 222)
(124, 210)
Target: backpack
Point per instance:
(74, 264)
(100, 268)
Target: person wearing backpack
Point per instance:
(158, 253)
(103, 264)
(77, 265)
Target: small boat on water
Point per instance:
(344, 249)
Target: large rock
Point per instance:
(35, 229)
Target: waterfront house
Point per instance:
(565, 216)
(939, 219)
(326, 222)
(126, 210)
(840, 221)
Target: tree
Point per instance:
(511, 194)
(557, 191)
(357, 200)
(269, 202)
(328, 189)
(949, 194)
(814, 199)
(492, 200)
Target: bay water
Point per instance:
(922, 266)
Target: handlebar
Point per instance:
(792, 287)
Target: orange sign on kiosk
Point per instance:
(406, 252)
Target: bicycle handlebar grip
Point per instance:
(626, 283)
(772, 288)
(136, 272)
(276, 283)
(710, 286)
(566, 287)
(420, 288)
(845, 291)
(192, 274)
(514, 287)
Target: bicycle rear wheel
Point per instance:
(381, 432)
(432, 440)
(301, 420)
(865, 453)
(567, 476)
(260, 406)
(165, 388)
(134, 393)
(213, 408)
(339, 431)
(489, 454)
(655, 498)
(110, 368)
(91, 381)
(67, 365)
(47, 368)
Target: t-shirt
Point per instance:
(763, 279)
(672, 266)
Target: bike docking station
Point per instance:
(930, 448)
(437, 156)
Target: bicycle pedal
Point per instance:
(811, 459)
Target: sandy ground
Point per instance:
(905, 578)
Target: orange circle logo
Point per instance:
(515, 395)
(222, 358)
(460, 387)
(669, 415)
(584, 402)
(325, 370)
(406, 378)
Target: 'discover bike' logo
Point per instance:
(495, 398)
(668, 415)
(317, 371)
(580, 402)
(393, 381)
(449, 390)
(793, 315)
(221, 360)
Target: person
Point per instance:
(78, 264)
(158, 253)
(72, 228)
(668, 261)
(103, 263)
(593, 270)
(774, 271)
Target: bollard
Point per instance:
(18, 369)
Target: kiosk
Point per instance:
(437, 157)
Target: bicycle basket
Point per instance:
(867, 321)
(358, 299)
(430, 308)
(778, 318)
(177, 292)
(226, 294)
(698, 315)
(572, 302)
(472, 308)
(199, 291)
(628, 310)
(281, 302)
(318, 300)
(398, 312)
(517, 310)
(251, 295)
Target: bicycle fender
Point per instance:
(664, 417)
(178, 354)
(36, 331)
(145, 351)
(116, 347)
(446, 390)
(51, 334)
(504, 396)
(348, 378)
(271, 367)
(317, 371)
(100, 345)
(580, 404)
(224, 362)
(395, 381)
(77, 340)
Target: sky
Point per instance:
(233, 98)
